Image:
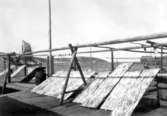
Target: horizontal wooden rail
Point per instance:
(115, 41)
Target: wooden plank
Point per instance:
(53, 86)
(120, 90)
(134, 92)
(92, 87)
(18, 70)
(30, 74)
(96, 97)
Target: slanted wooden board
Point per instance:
(18, 70)
(31, 74)
(53, 86)
(92, 87)
(120, 90)
(98, 95)
(127, 101)
(5, 71)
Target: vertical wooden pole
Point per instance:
(52, 72)
(25, 63)
(47, 65)
(50, 40)
(161, 59)
(112, 60)
(4, 84)
(4, 64)
(157, 84)
(9, 70)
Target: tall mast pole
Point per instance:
(50, 39)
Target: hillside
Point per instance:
(87, 63)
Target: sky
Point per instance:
(77, 21)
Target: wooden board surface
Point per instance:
(72, 109)
(120, 90)
(69, 109)
(130, 96)
(53, 86)
(87, 93)
(20, 86)
(99, 78)
(96, 96)
(18, 70)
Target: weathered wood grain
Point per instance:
(135, 89)
(87, 93)
(53, 86)
(97, 95)
(92, 87)
(120, 90)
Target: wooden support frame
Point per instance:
(74, 61)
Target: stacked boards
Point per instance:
(53, 86)
(121, 91)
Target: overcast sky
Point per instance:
(77, 21)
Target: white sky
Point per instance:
(77, 21)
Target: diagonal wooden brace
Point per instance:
(77, 64)
(68, 76)
(74, 61)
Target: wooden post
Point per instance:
(25, 69)
(9, 70)
(157, 84)
(47, 65)
(50, 40)
(161, 59)
(4, 64)
(4, 84)
(112, 60)
(50, 65)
